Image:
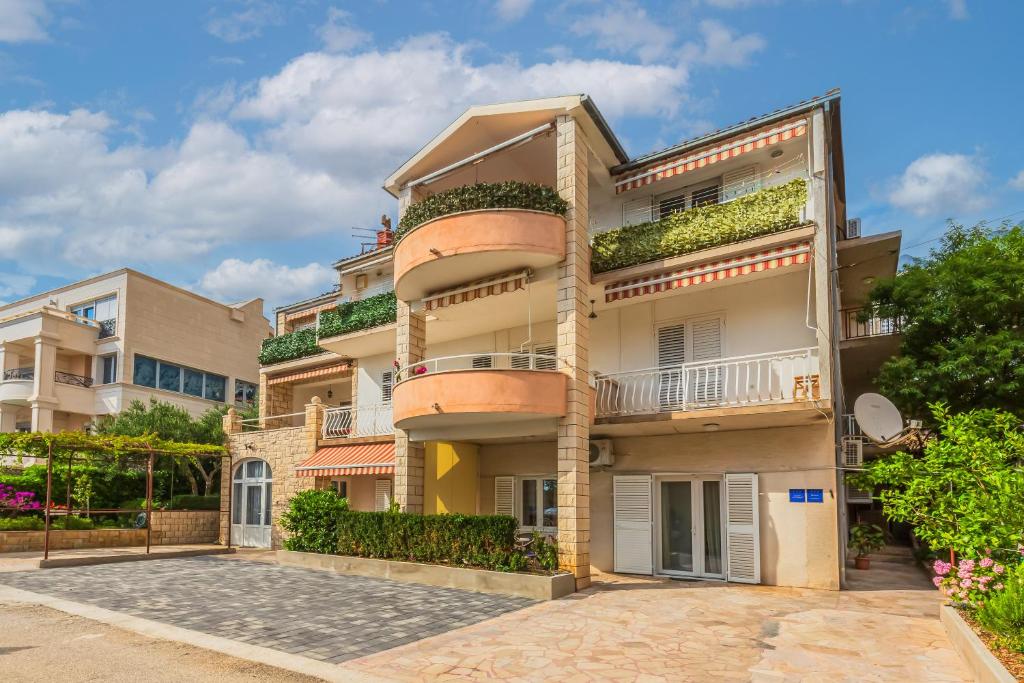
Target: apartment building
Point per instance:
(649, 372)
(89, 349)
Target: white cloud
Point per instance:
(1017, 182)
(23, 21)
(235, 280)
(957, 9)
(624, 27)
(721, 46)
(338, 34)
(739, 4)
(513, 10)
(13, 285)
(937, 183)
(246, 22)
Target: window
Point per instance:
(538, 502)
(170, 377)
(145, 372)
(102, 310)
(671, 204)
(386, 382)
(215, 388)
(245, 393)
(705, 196)
(305, 325)
(149, 372)
(193, 385)
(340, 487)
(108, 369)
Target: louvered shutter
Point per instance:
(671, 356)
(546, 363)
(739, 183)
(634, 552)
(481, 362)
(382, 495)
(742, 537)
(504, 496)
(387, 380)
(637, 211)
(706, 344)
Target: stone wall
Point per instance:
(22, 541)
(184, 527)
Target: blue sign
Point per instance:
(815, 496)
(797, 495)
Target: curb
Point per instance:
(975, 655)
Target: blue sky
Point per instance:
(230, 147)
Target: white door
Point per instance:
(689, 526)
(251, 498)
(632, 526)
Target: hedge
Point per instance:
(762, 213)
(352, 316)
(312, 520)
(507, 195)
(289, 346)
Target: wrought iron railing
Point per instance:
(108, 328)
(20, 373)
(873, 326)
(779, 377)
(357, 421)
(479, 361)
(72, 379)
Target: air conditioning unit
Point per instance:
(601, 454)
(853, 451)
(852, 228)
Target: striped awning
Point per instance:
(509, 282)
(336, 369)
(310, 312)
(713, 271)
(731, 149)
(336, 461)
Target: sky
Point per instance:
(232, 147)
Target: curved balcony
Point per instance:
(16, 386)
(475, 390)
(463, 247)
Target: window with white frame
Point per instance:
(537, 506)
(158, 374)
(340, 486)
(245, 393)
(108, 368)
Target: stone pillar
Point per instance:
(409, 457)
(43, 399)
(314, 423)
(573, 328)
(232, 422)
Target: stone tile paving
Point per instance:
(315, 614)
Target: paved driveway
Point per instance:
(315, 614)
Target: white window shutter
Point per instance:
(671, 356)
(387, 380)
(382, 495)
(504, 496)
(637, 211)
(706, 345)
(743, 542)
(634, 553)
(740, 182)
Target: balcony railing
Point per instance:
(874, 326)
(286, 421)
(20, 373)
(367, 292)
(479, 361)
(355, 421)
(73, 380)
(779, 377)
(108, 328)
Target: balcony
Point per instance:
(17, 386)
(873, 326)
(779, 378)
(490, 394)
(353, 422)
(359, 328)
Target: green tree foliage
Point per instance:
(965, 491)
(961, 310)
(1003, 614)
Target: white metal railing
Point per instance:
(479, 361)
(778, 377)
(356, 421)
(257, 424)
(367, 292)
(873, 326)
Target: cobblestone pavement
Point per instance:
(315, 614)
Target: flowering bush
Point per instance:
(970, 581)
(12, 502)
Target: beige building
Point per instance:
(88, 349)
(661, 405)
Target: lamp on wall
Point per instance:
(592, 313)
(330, 394)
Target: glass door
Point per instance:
(251, 488)
(690, 534)
(252, 529)
(677, 527)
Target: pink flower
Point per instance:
(941, 568)
(998, 586)
(986, 562)
(966, 583)
(999, 569)
(984, 579)
(937, 581)
(983, 587)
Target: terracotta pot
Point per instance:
(862, 562)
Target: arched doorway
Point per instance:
(251, 489)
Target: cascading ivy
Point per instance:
(511, 194)
(761, 213)
(352, 316)
(298, 344)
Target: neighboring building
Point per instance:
(89, 349)
(661, 404)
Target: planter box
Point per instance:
(533, 586)
(977, 657)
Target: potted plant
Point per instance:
(865, 539)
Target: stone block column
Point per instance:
(314, 423)
(409, 458)
(573, 329)
(43, 398)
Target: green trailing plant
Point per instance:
(761, 213)
(352, 316)
(22, 524)
(1003, 613)
(298, 344)
(510, 194)
(866, 539)
(312, 520)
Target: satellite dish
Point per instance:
(878, 418)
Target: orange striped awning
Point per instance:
(335, 461)
(713, 271)
(509, 282)
(729, 150)
(310, 312)
(336, 369)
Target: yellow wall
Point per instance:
(450, 477)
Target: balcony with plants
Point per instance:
(475, 231)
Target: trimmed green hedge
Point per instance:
(289, 346)
(761, 213)
(312, 520)
(511, 194)
(352, 316)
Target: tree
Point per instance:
(965, 491)
(961, 310)
(172, 423)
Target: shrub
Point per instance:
(507, 195)
(298, 344)
(190, 502)
(352, 316)
(111, 483)
(866, 539)
(71, 523)
(1003, 613)
(761, 213)
(21, 524)
(312, 520)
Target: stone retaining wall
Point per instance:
(185, 527)
(170, 527)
